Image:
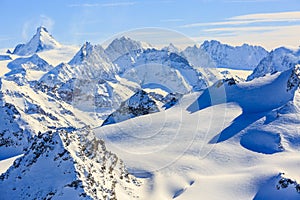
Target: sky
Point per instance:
(269, 23)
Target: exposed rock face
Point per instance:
(139, 104)
(142, 103)
(67, 164)
(294, 80)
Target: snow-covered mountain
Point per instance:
(239, 57)
(184, 129)
(27, 68)
(160, 69)
(123, 45)
(80, 167)
(26, 111)
(138, 104)
(41, 41)
(198, 57)
(278, 60)
(243, 146)
(14, 136)
(171, 48)
(92, 61)
(245, 93)
(89, 80)
(141, 103)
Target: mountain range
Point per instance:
(131, 121)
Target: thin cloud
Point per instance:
(248, 29)
(251, 19)
(294, 15)
(214, 24)
(115, 4)
(268, 37)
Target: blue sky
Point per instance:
(270, 23)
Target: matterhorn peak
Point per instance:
(41, 28)
(41, 41)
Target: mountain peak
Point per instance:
(235, 57)
(171, 48)
(87, 52)
(122, 46)
(41, 29)
(41, 41)
(91, 62)
(124, 38)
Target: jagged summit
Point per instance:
(239, 57)
(93, 61)
(166, 70)
(123, 45)
(89, 53)
(278, 60)
(198, 57)
(171, 48)
(41, 41)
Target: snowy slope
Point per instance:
(62, 54)
(26, 111)
(42, 111)
(89, 81)
(219, 151)
(234, 73)
(239, 57)
(161, 69)
(41, 41)
(14, 136)
(67, 165)
(278, 60)
(29, 68)
(285, 84)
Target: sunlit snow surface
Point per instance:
(232, 140)
(218, 151)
